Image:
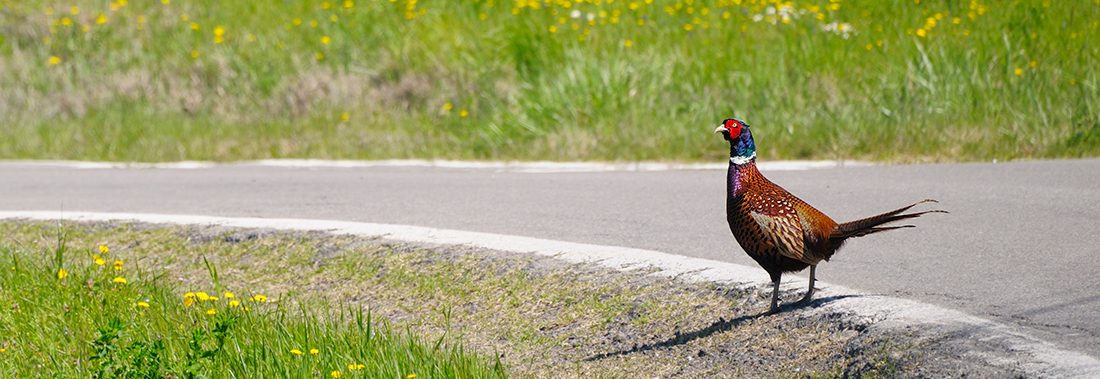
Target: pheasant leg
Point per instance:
(810, 290)
(775, 298)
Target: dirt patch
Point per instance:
(544, 317)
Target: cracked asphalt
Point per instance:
(1020, 245)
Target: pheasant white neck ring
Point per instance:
(739, 160)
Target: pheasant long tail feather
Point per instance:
(862, 227)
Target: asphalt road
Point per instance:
(1021, 245)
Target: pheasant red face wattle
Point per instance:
(733, 126)
(730, 127)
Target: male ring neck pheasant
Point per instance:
(778, 230)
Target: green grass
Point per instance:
(74, 312)
(855, 79)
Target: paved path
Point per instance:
(1021, 245)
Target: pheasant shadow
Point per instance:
(719, 326)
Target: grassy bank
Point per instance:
(539, 316)
(559, 80)
(75, 310)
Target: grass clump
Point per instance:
(557, 80)
(88, 313)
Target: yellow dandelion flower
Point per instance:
(251, 37)
(194, 26)
(219, 31)
(410, 376)
(1019, 71)
(229, 295)
(320, 56)
(333, 18)
(356, 366)
(922, 32)
(296, 21)
(101, 20)
(335, 374)
(54, 60)
(448, 106)
(202, 296)
(143, 304)
(956, 20)
(553, 29)
(869, 46)
(1033, 64)
(482, 16)
(295, 351)
(219, 39)
(259, 298)
(61, 273)
(463, 113)
(104, 249)
(66, 21)
(326, 5)
(212, 312)
(74, 10)
(49, 11)
(688, 27)
(188, 295)
(345, 116)
(314, 351)
(834, 6)
(119, 279)
(100, 261)
(325, 40)
(188, 301)
(165, 1)
(349, 4)
(118, 265)
(234, 303)
(313, 23)
(628, 43)
(641, 22)
(184, 17)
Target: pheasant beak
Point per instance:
(721, 128)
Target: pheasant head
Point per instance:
(742, 147)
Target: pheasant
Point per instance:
(778, 230)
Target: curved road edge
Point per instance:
(1043, 359)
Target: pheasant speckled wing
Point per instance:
(781, 225)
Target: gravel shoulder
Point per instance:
(543, 316)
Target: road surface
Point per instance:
(1021, 245)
